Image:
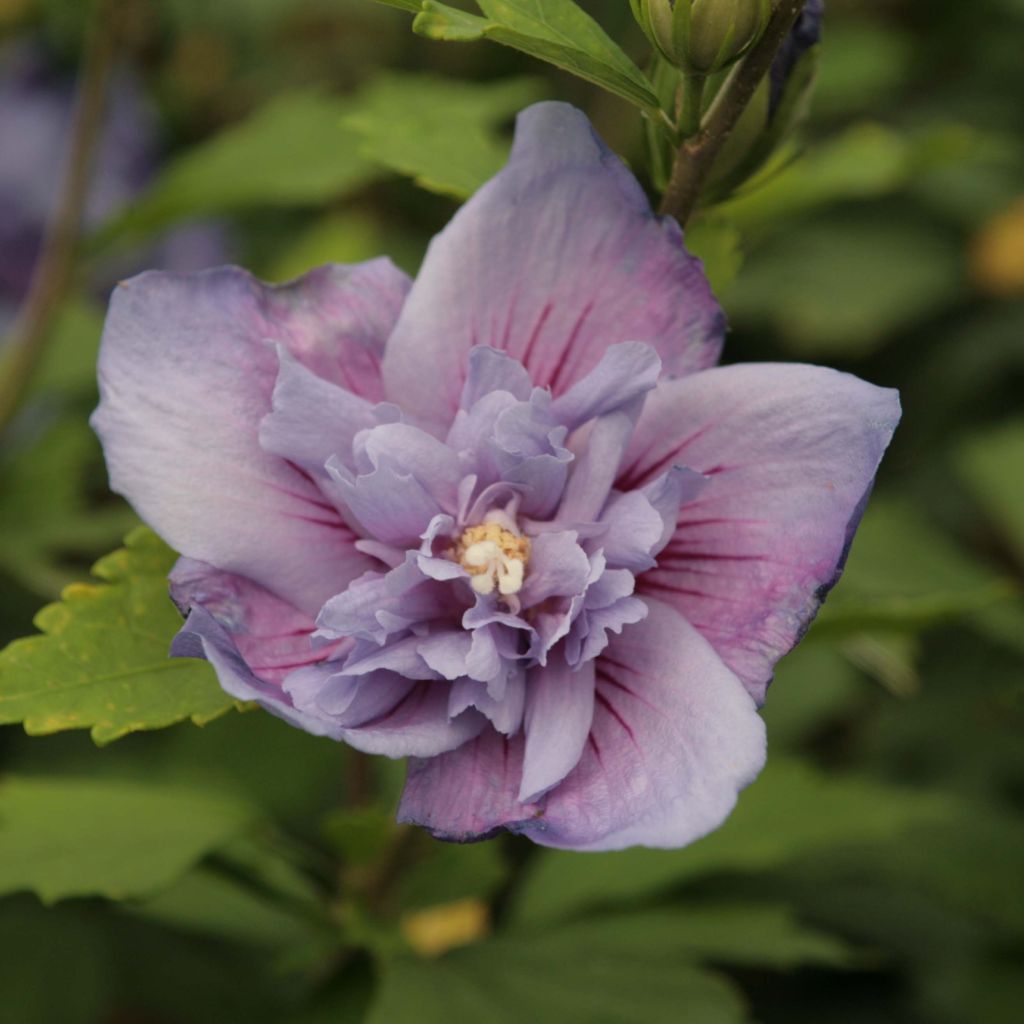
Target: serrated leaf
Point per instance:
(580, 977)
(288, 153)
(102, 662)
(789, 812)
(442, 133)
(68, 836)
(556, 31)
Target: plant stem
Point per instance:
(690, 105)
(697, 153)
(52, 272)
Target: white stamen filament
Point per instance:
(499, 570)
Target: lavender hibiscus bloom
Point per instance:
(506, 520)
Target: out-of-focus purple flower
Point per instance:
(508, 519)
(36, 109)
(805, 34)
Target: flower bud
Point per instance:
(702, 36)
(721, 31)
(777, 108)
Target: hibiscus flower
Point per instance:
(508, 520)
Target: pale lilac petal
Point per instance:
(489, 370)
(558, 567)
(388, 503)
(505, 713)
(313, 419)
(625, 372)
(336, 319)
(400, 656)
(595, 469)
(413, 451)
(790, 452)
(552, 261)
(186, 370)
(379, 604)
(559, 713)
(674, 738)
(390, 715)
(416, 726)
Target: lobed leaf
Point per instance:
(102, 662)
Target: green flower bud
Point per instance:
(702, 36)
(721, 31)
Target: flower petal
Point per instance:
(203, 636)
(552, 261)
(186, 369)
(271, 636)
(313, 419)
(674, 738)
(559, 713)
(790, 453)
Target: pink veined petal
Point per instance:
(272, 637)
(553, 260)
(790, 454)
(187, 368)
(674, 738)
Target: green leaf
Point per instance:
(440, 132)
(790, 811)
(46, 516)
(556, 31)
(717, 243)
(990, 464)
(580, 977)
(288, 153)
(211, 903)
(749, 934)
(904, 573)
(814, 686)
(825, 289)
(67, 836)
(863, 162)
(451, 872)
(29, 935)
(102, 662)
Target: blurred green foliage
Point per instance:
(246, 871)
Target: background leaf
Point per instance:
(442, 133)
(66, 837)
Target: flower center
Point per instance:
(494, 556)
